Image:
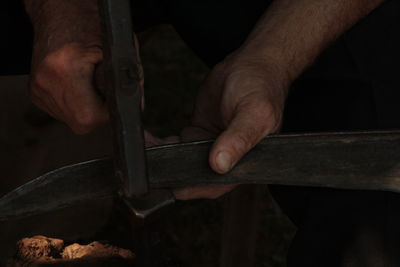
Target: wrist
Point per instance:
(268, 66)
(58, 23)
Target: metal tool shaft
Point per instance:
(124, 96)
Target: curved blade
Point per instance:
(60, 188)
(367, 161)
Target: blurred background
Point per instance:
(32, 143)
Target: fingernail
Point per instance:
(224, 161)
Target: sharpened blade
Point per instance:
(362, 161)
(60, 188)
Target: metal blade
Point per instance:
(365, 161)
(63, 187)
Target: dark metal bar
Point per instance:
(124, 96)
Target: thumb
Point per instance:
(250, 124)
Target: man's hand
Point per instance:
(243, 98)
(62, 84)
(241, 102)
(66, 50)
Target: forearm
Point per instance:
(293, 33)
(60, 22)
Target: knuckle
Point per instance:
(55, 64)
(271, 120)
(39, 83)
(85, 121)
(244, 141)
(62, 61)
(267, 117)
(49, 73)
(85, 118)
